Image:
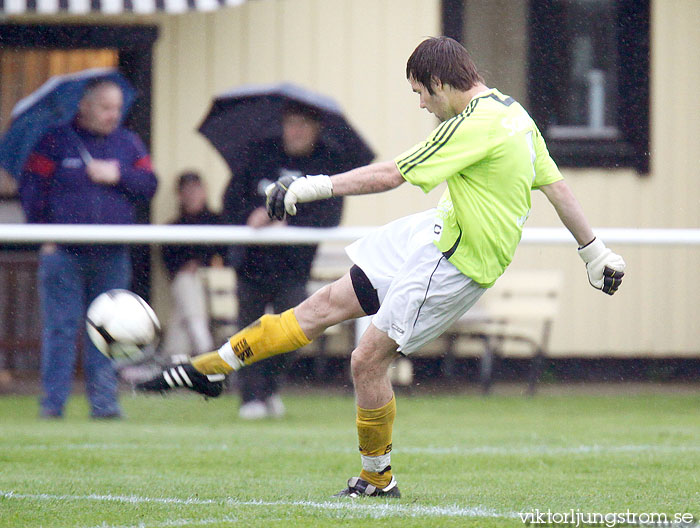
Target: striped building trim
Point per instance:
(110, 7)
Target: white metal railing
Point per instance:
(170, 234)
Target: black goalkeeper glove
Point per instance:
(605, 268)
(285, 193)
(275, 193)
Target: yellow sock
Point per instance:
(374, 427)
(211, 363)
(268, 336)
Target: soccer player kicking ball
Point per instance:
(419, 274)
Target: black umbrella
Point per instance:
(254, 112)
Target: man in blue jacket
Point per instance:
(89, 172)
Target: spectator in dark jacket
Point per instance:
(276, 275)
(188, 329)
(89, 172)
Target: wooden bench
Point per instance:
(220, 283)
(222, 302)
(513, 318)
(518, 310)
(330, 264)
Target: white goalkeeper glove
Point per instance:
(284, 195)
(605, 268)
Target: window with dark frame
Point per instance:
(588, 80)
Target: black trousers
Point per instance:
(260, 380)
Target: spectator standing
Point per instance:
(188, 329)
(276, 275)
(91, 171)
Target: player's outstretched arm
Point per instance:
(605, 268)
(285, 193)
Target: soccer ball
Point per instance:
(122, 326)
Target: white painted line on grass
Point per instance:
(174, 523)
(98, 446)
(525, 450)
(548, 450)
(360, 509)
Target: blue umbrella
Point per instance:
(254, 112)
(54, 103)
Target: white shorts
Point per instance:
(420, 293)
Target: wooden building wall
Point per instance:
(355, 50)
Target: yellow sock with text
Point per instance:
(268, 336)
(374, 427)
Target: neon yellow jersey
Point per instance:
(491, 156)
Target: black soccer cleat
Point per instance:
(184, 376)
(361, 488)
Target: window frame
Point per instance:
(631, 148)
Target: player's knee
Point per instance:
(359, 363)
(367, 361)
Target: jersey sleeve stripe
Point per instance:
(425, 154)
(430, 149)
(437, 137)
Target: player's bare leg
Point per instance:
(268, 336)
(276, 334)
(370, 364)
(376, 409)
(330, 305)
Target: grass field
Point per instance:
(462, 461)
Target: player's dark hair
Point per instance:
(443, 59)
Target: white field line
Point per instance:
(527, 450)
(174, 523)
(550, 450)
(360, 509)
